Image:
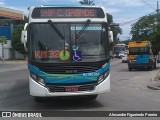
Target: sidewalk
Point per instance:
(155, 82)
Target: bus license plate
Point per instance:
(134, 60)
(71, 89)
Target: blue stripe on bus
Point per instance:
(68, 78)
(140, 59)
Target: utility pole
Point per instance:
(157, 10)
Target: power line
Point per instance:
(121, 24)
(156, 10)
(148, 5)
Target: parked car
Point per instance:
(124, 58)
(121, 54)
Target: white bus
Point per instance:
(118, 48)
(68, 51)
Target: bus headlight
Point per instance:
(106, 74)
(102, 77)
(41, 81)
(37, 79)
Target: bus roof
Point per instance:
(66, 5)
(139, 44)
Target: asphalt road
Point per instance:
(129, 92)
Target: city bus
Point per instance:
(140, 55)
(119, 48)
(68, 51)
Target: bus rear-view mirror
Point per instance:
(110, 35)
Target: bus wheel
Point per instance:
(92, 97)
(38, 99)
(130, 69)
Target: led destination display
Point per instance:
(68, 12)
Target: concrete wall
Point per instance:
(9, 52)
(7, 48)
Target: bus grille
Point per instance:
(62, 88)
(68, 68)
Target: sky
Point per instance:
(124, 12)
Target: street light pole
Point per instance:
(157, 23)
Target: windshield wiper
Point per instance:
(55, 29)
(59, 34)
(42, 46)
(82, 30)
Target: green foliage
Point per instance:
(16, 39)
(87, 2)
(126, 42)
(109, 18)
(116, 30)
(3, 39)
(147, 28)
(144, 27)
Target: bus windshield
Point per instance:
(47, 45)
(138, 50)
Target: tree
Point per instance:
(116, 29)
(144, 27)
(3, 40)
(16, 39)
(147, 28)
(126, 41)
(87, 2)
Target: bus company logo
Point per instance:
(71, 71)
(6, 114)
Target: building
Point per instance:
(9, 14)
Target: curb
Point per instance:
(153, 87)
(155, 75)
(155, 84)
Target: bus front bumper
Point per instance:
(38, 90)
(141, 65)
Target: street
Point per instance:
(129, 91)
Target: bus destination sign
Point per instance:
(67, 12)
